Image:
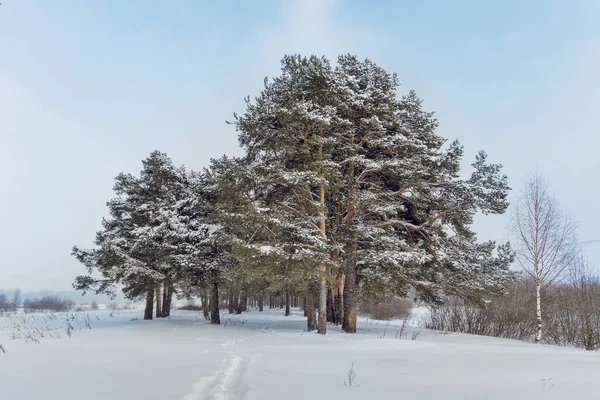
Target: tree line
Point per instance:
(345, 193)
(10, 303)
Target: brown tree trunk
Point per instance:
(159, 300)
(260, 303)
(311, 315)
(349, 293)
(288, 299)
(215, 316)
(305, 305)
(350, 288)
(169, 290)
(339, 298)
(166, 306)
(322, 323)
(205, 304)
(232, 305)
(149, 303)
(338, 286)
(242, 302)
(330, 307)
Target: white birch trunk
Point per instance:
(538, 311)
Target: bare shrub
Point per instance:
(507, 316)
(351, 377)
(190, 307)
(30, 337)
(572, 313)
(233, 322)
(386, 310)
(401, 330)
(385, 328)
(87, 321)
(69, 328)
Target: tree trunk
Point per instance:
(159, 300)
(311, 315)
(260, 303)
(350, 306)
(339, 298)
(330, 306)
(322, 324)
(232, 305)
(538, 310)
(166, 305)
(149, 303)
(350, 288)
(305, 305)
(288, 299)
(168, 300)
(338, 286)
(243, 299)
(215, 316)
(205, 304)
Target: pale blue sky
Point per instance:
(89, 88)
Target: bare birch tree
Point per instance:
(544, 238)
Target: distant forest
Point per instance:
(71, 295)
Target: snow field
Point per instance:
(269, 356)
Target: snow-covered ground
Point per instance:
(268, 356)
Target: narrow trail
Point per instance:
(228, 382)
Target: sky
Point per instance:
(89, 89)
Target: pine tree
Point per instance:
(338, 149)
(407, 211)
(286, 138)
(197, 239)
(132, 248)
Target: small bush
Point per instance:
(386, 310)
(570, 313)
(190, 307)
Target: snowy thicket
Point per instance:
(345, 191)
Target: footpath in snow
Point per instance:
(266, 356)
